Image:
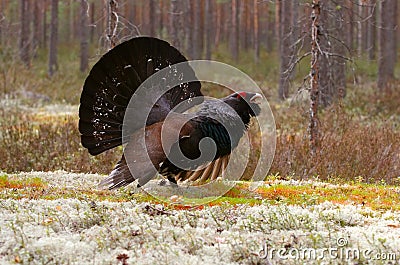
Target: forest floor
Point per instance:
(344, 209)
(63, 218)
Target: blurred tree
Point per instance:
(189, 28)
(112, 23)
(196, 30)
(84, 32)
(37, 17)
(92, 21)
(332, 62)
(146, 17)
(371, 30)
(207, 28)
(159, 19)
(53, 38)
(387, 43)
(152, 17)
(218, 21)
(70, 27)
(256, 32)
(242, 18)
(24, 41)
(313, 126)
(44, 23)
(284, 26)
(175, 24)
(266, 20)
(234, 32)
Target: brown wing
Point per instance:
(144, 157)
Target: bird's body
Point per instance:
(179, 145)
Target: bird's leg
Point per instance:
(172, 181)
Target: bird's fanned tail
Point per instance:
(211, 172)
(116, 77)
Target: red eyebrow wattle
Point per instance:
(241, 94)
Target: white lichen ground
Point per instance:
(72, 231)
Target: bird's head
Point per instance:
(246, 104)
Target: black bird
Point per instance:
(173, 138)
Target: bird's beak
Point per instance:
(256, 99)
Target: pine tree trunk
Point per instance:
(387, 44)
(332, 85)
(147, 17)
(372, 31)
(44, 26)
(218, 22)
(188, 28)
(285, 50)
(207, 29)
(350, 25)
(256, 32)
(53, 38)
(71, 20)
(92, 28)
(112, 23)
(269, 42)
(241, 22)
(36, 27)
(175, 24)
(152, 10)
(159, 25)
(234, 45)
(84, 36)
(24, 45)
(196, 30)
(227, 16)
(314, 75)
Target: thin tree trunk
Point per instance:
(92, 27)
(36, 27)
(112, 23)
(188, 28)
(350, 25)
(332, 83)
(314, 75)
(278, 35)
(285, 50)
(387, 44)
(24, 45)
(84, 36)
(196, 30)
(226, 25)
(256, 32)
(160, 19)
(268, 29)
(53, 38)
(207, 29)
(152, 7)
(362, 28)
(372, 30)
(241, 24)
(71, 20)
(44, 26)
(175, 24)
(339, 67)
(218, 25)
(234, 45)
(249, 42)
(146, 17)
